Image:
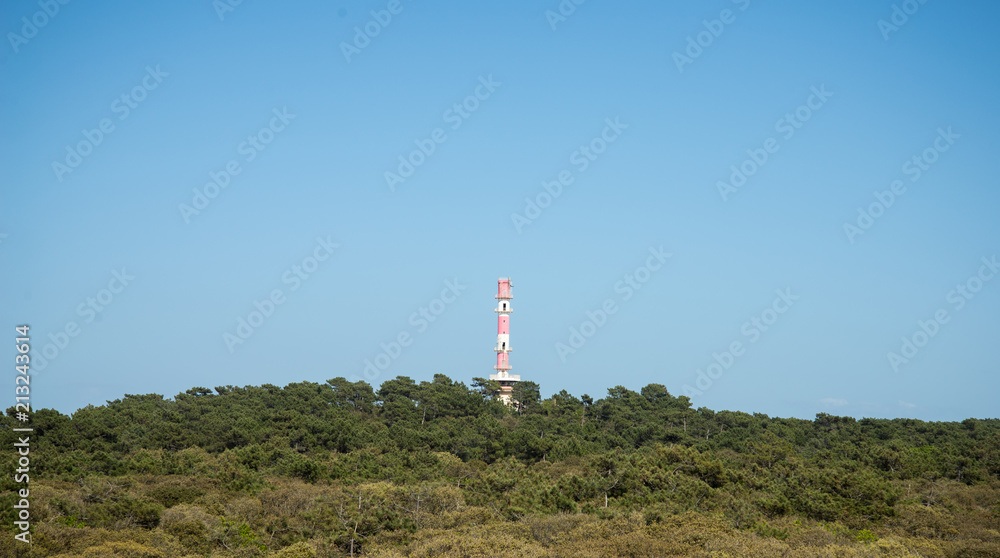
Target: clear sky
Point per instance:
(166, 168)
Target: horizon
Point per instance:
(767, 207)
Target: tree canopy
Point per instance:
(368, 467)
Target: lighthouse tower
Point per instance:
(503, 375)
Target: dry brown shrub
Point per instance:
(297, 550)
(288, 498)
(811, 536)
(931, 522)
(245, 509)
(126, 549)
(94, 543)
(188, 513)
(741, 544)
(494, 541)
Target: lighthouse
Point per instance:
(503, 375)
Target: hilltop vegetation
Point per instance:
(439, 469)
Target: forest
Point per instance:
(438, 468)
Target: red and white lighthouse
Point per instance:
(503, 375)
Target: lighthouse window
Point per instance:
(504, 305)
(503, 345)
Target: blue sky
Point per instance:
(185, 89)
